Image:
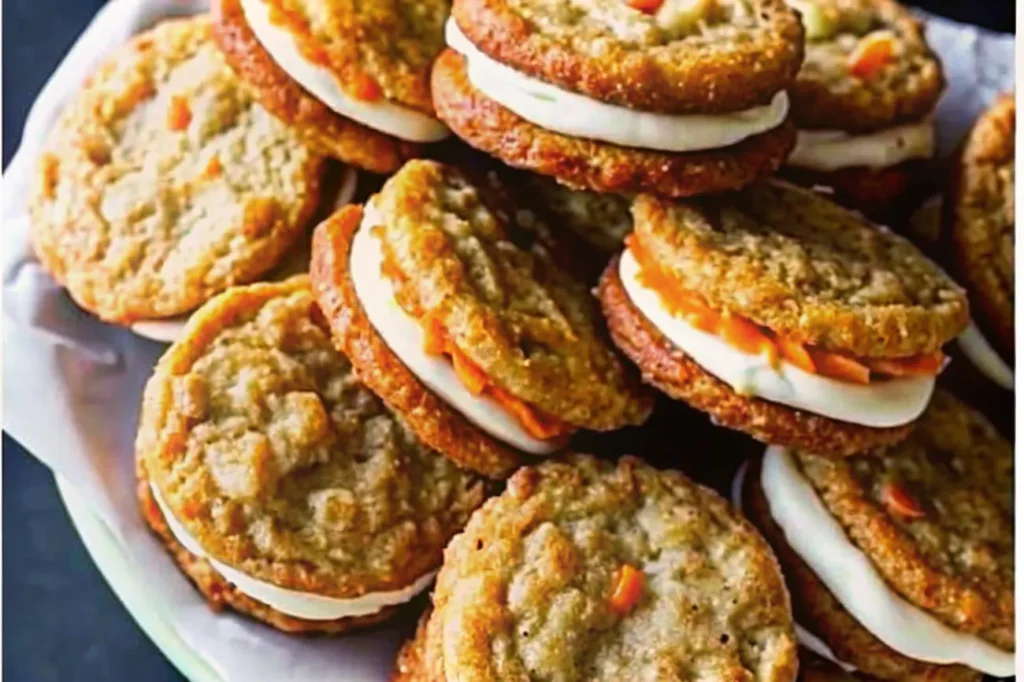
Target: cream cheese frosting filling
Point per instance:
(388, 117)
(880, 404)
(404, 336)
(807, 639)
(986, 358)
(293, 603)
(576, 115)
(830, 150)
(816, 536)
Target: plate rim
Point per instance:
(117, 570)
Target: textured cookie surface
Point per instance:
(666, 367)
(321, 127)
(935, 515)
(982, 225)
(829, 93)
(530, 589)
(532, 330)
(220, 594)
(815, 608)
(162, 183)
(601, 220)
(279, 463)
(589, 164)
(391, 42)
(792, 261)
(702, 56)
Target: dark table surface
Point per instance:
(61, 621)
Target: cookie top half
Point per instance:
(280, 464)
(935, 515)
(982, 224)
(163, 183)
(679, 56)
(509, 308)
(386, 46)
(867, 67)
(807, 269)
(589, 570)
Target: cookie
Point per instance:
(282, 486)
(585, 569)
(619, 97)
(461, 322)
(863, 101)
(353, 79)
(980, 224)
(782, 315)
(602, 221)
(295, 262)
(900, 560)
(162, 183)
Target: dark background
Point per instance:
(61, 621)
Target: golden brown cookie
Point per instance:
(319, 125)
(669, 370)
(586, 569)
(817, 610)
(510, 329)
(589, 164)
(260, 458)
(980, 212)
(163, 183)
(708, 56)
(867, 67)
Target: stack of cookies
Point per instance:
(348, 411)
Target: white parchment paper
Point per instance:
(72, 384)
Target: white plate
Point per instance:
(72, 387)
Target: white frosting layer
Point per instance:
(850, 576)
(404, 336)
(576, 115)
(986, 358)
(292, 602)
(383, 115)
(829, 150)
(880, 404)
(806, 638)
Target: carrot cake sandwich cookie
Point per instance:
(899, 560)
(483, 344)
(283, 487)
(677, 98)
(591, 570)
(162, 183)
(783, 315)
(863, 102)
(352, 78)
(980, 224)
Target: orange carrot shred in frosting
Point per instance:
(749, 337)
(900, 502)
(874, 51)
(627, 590)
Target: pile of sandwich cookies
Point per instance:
(374, 388)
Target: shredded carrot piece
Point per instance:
(471, 376)
(646, 6)
(365, 88)
(874, 51)
(900, 502)
(927, 365)
(841, 367)
(744, 334)
(436, 341)
(627, 590)
(796, 354)
(179, 114)
(213, 168)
